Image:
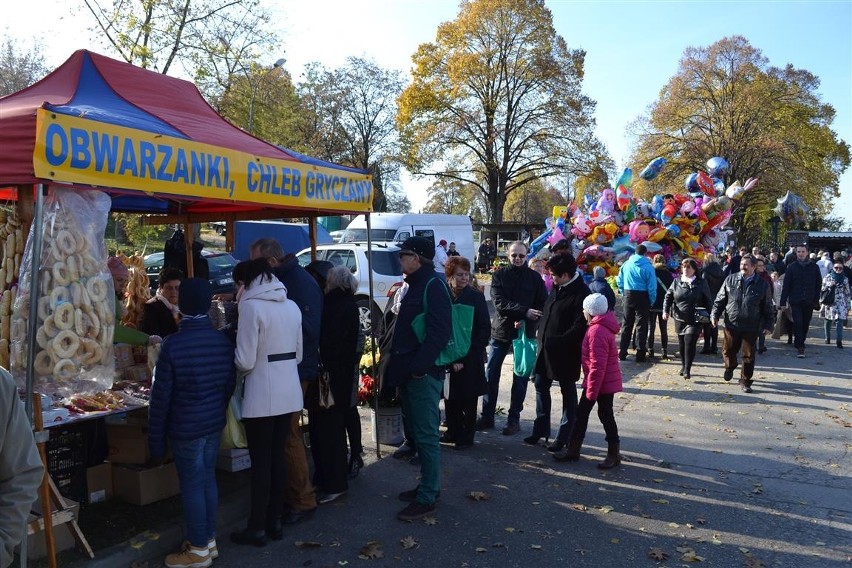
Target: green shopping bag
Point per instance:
(462, 329)
(523, 352)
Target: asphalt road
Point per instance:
(711, 476)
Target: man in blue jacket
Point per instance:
(193, 383)
(637, 283)
(303, 289)
(412, 368)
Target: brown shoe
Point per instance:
(571, 453)
(613, 457)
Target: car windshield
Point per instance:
(360, 235)
(221, 262)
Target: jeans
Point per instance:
(838, 326)
(196, 466)
(543, 401)
(605, 413)
(802, 314)
(637, 307)
(496, 355)
(420, 398)
(734, 341)
(267, 441)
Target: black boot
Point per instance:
(571, 453)
(613, 457)
(839, 344)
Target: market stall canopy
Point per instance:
(156, 146)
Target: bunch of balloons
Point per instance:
(612, 224)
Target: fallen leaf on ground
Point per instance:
(614, 540)
(579, 507)
(430, 520)
(510, 529)
(754, 563)
(605, 509)
(478, 496)
(480, 550)
(660, 501)
(498, 545)
(691, 557)
(307, 544)
(371, 551)
(409, 542)
(535, 546)
(658, 554)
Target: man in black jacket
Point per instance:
(412, 368)
(518, 294)
(802, 284)
(560, 340)
(746, 302)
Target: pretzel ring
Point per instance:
(59, 295)
(97, 289)
(91, 322)
(92, 352)
(65, 344)
(64, 316)
(43, 363)
(61, 274)
(50, 327)
(76, 292)
(73, 268)
(64, 370)
(44, 307)
(42, 338)
(66, 242)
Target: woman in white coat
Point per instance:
(269, 347)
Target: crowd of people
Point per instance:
(298, 340)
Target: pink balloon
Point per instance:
(556, 236)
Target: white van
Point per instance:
(394, 228)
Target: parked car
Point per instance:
(387, 274)
(221, 265)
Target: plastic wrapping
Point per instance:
(76, 299)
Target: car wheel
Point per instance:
(367, 314)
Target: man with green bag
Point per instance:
(414, 370)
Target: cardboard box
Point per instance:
(128, 443)
(99, 482)
(141, 486)
(232, 460)
(62, 535)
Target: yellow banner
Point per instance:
(77, 150)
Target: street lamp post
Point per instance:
(254, 86)
(775, 221)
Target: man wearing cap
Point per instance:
(306, 293)
(440, 258)
(412, 368)
(193, 383)
(518, 294)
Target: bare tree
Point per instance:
(19, 67)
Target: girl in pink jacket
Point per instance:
(602, 380)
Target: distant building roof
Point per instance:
(830, 235)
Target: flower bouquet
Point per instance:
(368, 391)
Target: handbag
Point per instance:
(326, 399)
(702, 315)
(234, 433)
(827, 296)
(462, 328)
(523, 352)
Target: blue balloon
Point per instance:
(536, 245)
(691, 183)
(657, 206)
(719, 186)
(653, 168)
(717, 167)
(626, 178)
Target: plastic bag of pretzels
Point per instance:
(75, 318)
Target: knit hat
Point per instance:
(194, 296)
(419, 246)
(117, 268)
(594, 304)
(599, 272)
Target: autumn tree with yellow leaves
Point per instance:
(767, 122)
(498, 95)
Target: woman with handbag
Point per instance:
(834, 310)
(338, 342)
(467, 375)
(688, 300)
(664, 280)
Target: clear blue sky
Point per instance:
(633, 47)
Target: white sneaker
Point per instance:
(190, 557)
(213, 549)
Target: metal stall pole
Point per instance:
(373, 324)
(41, 437)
